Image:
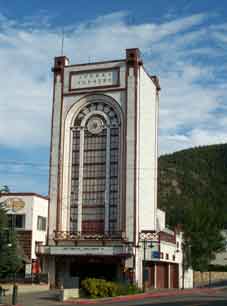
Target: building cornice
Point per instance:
(23, 194)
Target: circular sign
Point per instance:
(15, 204)
(95, 125)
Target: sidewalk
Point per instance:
(38, 297)
(23, 290)
(153, 294)
(25, 287)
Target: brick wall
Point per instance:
(24, 239)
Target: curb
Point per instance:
(141, 296)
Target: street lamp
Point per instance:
(145, 238)
(145, 242)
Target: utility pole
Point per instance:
(15, 287)
(144, 261)
(183, 265)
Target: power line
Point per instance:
(22, 163)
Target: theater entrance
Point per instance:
(104, 270)
(70, 268)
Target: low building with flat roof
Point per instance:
(27, 214)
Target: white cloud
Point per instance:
(207, 137)
(172, 50)
(196, 137)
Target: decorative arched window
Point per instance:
(95, 193)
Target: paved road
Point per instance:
(44, 298)
(181, 301)
(41, 296)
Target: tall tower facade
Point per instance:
(103, 168)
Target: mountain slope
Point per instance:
(193, 175)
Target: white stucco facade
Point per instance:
(103, 173)
(147, 151)
(221, 257)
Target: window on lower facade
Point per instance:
(16, 221)
(41, 223)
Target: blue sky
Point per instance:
(183, 42)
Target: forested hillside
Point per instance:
(197, 175)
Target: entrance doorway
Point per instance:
(174, 276)
(94, 268)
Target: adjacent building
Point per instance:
(221, 257)
(27, 214)
(103, 216)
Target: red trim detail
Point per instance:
(167, 237)
(59, 193)
(133, 60)
(50, 157)
(59, 65)
(99, 91)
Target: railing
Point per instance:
(72, 235)
(165, 235)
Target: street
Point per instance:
(181, 301)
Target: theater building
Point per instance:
(103, 174)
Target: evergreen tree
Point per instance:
(10, 260)
(202, 233)
(192, 191)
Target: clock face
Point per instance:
(95, 125)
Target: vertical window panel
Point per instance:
(74, 179)
(94, 180)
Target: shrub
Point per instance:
(94, 288)
(125, 289)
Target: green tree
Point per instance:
(10, 260)
(202, 233)
(192, 191)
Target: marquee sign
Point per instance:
(67, 250)
(94, 78)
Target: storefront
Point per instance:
(161, 275)
(81, 267)
(69, 264)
